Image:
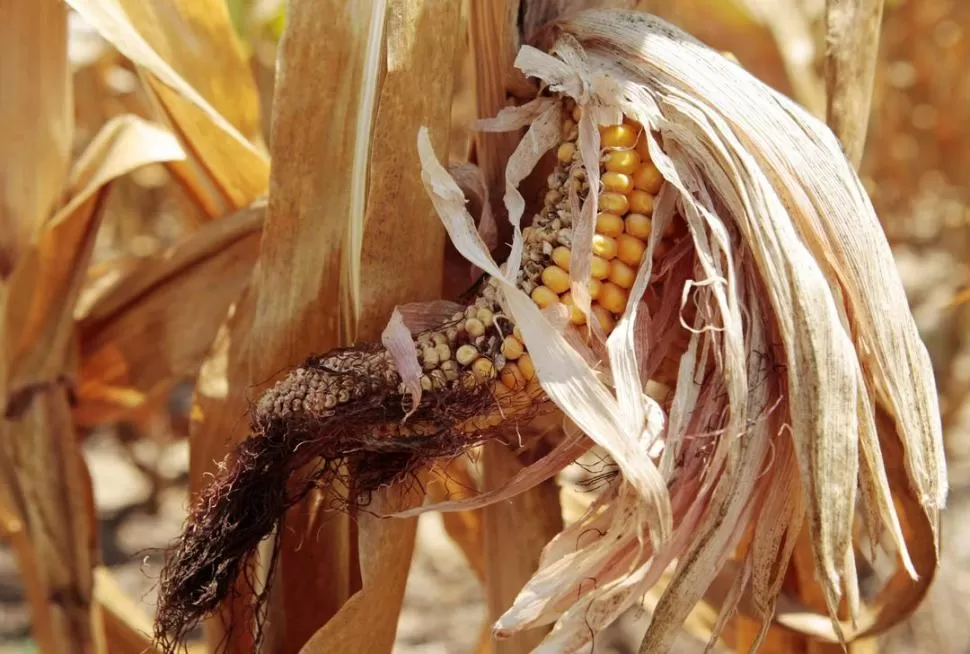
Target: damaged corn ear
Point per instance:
(374, 413)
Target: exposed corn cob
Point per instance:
(349, 406)
(469, 350)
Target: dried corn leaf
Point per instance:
(194, 85)
(37, 120)
(59, 512)
(46, 284)
(148, 323)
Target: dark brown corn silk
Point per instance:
(349, 417)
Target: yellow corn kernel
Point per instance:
(474, 327)
(565, 152)
(594, 288)
(618, 136)
(630, 250)
(512, 377)
(617, 182)
(621, 274)
(483, 368)
(525, 366)
(466, 354)
(641, 149)
(609, 224)
(575, 315)
(604, 246)
(544, 297)
(560, 257)
(613, 298)
(641, 202)
(599, 268)
(638, 225)
(614, 203)
(604, 317)
(512, 348)
(622, 161)
(648, 178)
(556, 279)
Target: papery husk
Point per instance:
(802, 335)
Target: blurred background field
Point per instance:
(916, 167)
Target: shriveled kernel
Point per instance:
(604, 317)
(594, 288)
(599, 268)
(552, 197)
(621, 274)
(613, 298)
(512, 377)
(443, 350)
(439, 339)
(438, 379)
(630, 249)
(641, 202)
(622, 161)
(614, 203)
(485, 315)
(648, 178)
(617, 182)
(565, 152)
(638, 225)
(466, 354)
(609, 224)
(618, 136)
(483, 368)
(450, 368)
(512, 348)
(544, 296)
(426, 383)
(556, 279)
(429, 358)
(604, 246)
(560, 256)
(575, 315)
(474, 327)
(526, 366)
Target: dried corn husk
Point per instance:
(804, 364)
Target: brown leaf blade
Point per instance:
(154, 322)
(45, 286)
(193, 87)
(37, 120)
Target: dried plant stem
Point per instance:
(512, 554)
(852, 35)
(493, 50)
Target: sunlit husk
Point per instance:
(802, 335)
